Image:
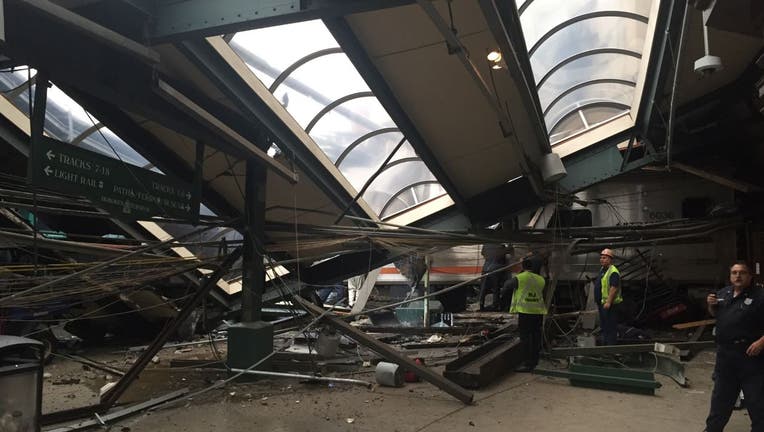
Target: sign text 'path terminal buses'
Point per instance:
(126, 191)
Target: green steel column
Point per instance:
(253, 269)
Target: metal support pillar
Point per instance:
(426, 302)
(251, 340)
(253, 269)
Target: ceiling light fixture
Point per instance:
(494, 56)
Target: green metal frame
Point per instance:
(606, 378)
(190, 19)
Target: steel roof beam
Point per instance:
(660, 61)
(504, 23)
(189, 19)
(93, 30)
(220, 128)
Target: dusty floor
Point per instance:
(517, 402)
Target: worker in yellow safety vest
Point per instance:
(528, 302)
(607, 294)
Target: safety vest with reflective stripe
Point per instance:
(528, 298)
(606, 285)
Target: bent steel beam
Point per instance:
(190, 107)
(387, 352)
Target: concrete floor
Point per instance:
(517, 402)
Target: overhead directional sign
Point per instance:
(124, 190)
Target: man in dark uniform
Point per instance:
(495, 256)
(739, 312)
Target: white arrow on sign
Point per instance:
(47, 170)
(50, 155)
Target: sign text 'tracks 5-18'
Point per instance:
(125, 191)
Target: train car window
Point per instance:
(567, 218)
(696, 207)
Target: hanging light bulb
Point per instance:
(494, 56)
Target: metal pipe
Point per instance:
(101, 265)
(593, 247)
(300, 376)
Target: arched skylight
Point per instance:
(586, 56)
(309, 74)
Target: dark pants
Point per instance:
(529, 326)
(734, 371)
(609, 324)
(491, 284)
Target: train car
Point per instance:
(657, 277)
(660, 279)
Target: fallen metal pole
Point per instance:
(102, 419)
(387, 352)
(114, 394)
(621, 349)
(301, 376)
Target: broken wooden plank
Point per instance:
(387, 352)
(692, 324)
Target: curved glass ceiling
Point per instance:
(322, 90)
(585, 56)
